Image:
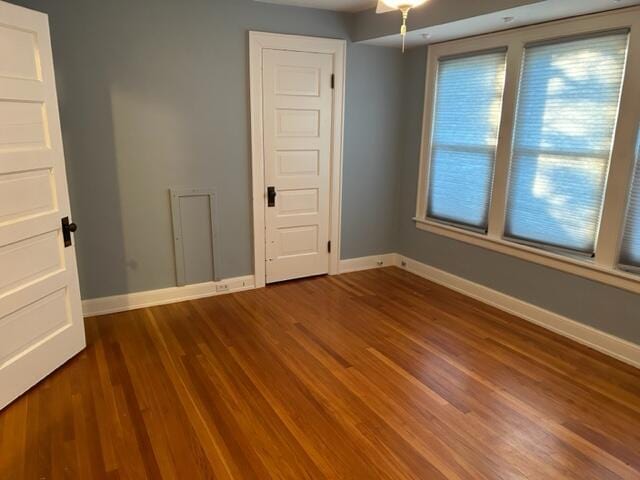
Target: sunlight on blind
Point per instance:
(630, 254)
(465, 132)
(567, 110)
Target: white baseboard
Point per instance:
(132, 301)
(366, 263)
(603, 342)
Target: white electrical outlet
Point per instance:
(223, 287)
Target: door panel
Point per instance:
(25, 261)
(41, 323)
(297, 123)
(297, 113)
(25, 194)
(299, 163)
(18, 53)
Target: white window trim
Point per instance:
(604, 266)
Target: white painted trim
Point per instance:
(623, 157)
(576, 266)
(338, 48)
(151, 298)
(367, 263)
(603, 268)
(606, 343)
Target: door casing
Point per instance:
(258, 41)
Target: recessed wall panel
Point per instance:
(197, 241)
(194, 221)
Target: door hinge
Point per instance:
(329, 246)
(333, 81)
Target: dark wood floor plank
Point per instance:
(370, 375)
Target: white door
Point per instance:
(41, 323)
(297, 109)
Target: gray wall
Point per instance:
(372, 149)
(154, 94)
(603, 307)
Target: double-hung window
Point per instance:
(528, 143)
(567, 110)
(630, 253)
(465, 135)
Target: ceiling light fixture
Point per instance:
(404, 6)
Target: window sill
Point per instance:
(583, 268)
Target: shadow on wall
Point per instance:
(154, 94)
(146, 133)
(90, 154)
(142, 112)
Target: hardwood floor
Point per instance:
(370, 375)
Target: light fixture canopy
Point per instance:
(400, 4)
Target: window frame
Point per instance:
(604, 266)
(461, 225)
(635, 171)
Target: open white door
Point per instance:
(41, 323)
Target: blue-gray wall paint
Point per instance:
(154, 94)
(606, 308)
(372, 146)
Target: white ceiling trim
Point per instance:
(337, 5)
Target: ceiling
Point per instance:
(525, 15)
(338, 5)
(537, 12)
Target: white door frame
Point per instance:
(257, 42)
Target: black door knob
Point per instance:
(271, 196)
(67, 229)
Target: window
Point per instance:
(465, 134)
(567, 110)
(529, 138)
(630, 253)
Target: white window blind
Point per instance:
(630, 253)
(467, 111)
(567, 110)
